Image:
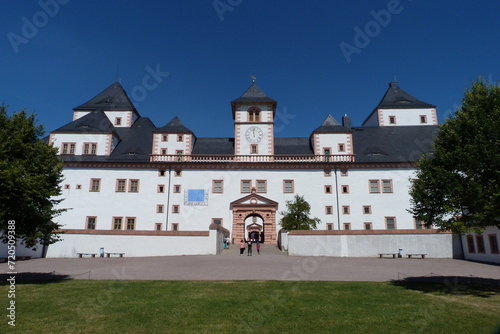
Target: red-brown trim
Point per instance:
(136, 232)
(369, 232)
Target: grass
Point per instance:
(85, 306)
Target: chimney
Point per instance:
(346, 121)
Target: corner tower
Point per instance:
(253, 115)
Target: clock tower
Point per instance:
(253, 115)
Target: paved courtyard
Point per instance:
(270, 265)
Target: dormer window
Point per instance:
(423, 119)
(254, 114)
(118, 121)
(90, 148)
(180, 138)
(392, 119)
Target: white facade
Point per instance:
(142, 182)
(483, 247)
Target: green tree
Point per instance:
(296, 217)
(458, 186)
(30, 176)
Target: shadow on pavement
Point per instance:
(33, 278)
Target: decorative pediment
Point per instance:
(254, 199)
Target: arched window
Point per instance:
(254, 114)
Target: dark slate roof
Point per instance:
(112, 98)
(253, 95)
(174, 126)
(393, 143)
(396, 98)
(93, 122)
(136, 143)
(330, 125)
(297, 146)
(214, 146)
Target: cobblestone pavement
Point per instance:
(272, 264)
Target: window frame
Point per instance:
(131, 186)
(257, 186)
(92, 188)
(114, 222)
(243, 186)
(370, 183)
(386, 219)
(291, 184)
(117, 186)
(216, 184)
(88, 222)
(131, 221)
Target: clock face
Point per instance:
(254, 134)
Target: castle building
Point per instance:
(125, 177)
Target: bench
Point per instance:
(118, 254)
(382, 255)
(89, 254)
(416, 254)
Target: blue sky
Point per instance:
(58, 54)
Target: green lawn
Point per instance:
(85, 306)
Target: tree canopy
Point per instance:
(296, 217)
(30, 176)
(458, 186)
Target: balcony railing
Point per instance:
(251, 158)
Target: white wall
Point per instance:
(487, 256)
(21, 250)
(407, 116)
(370, 245)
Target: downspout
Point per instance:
(167, 209)
(337, 194)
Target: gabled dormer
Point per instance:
(398, 108)
(115, 104)
(91, 134)
(253, 115)
(331, 138)
(173, 138)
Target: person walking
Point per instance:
(242, 247)
(258, 248)
(249, 247)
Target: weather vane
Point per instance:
(253, 78)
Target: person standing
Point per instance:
(249, 247)
(257, 246)
(242, 247)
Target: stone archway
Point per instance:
(254, 205)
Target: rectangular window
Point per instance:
(120, 186)
(261, 186)
(164, 138)
(367, 209)
(66, 186)
(420, 225)
(134, 186)
(347, 226)
(374, 186)
(64, 148)
(328, 189)
(343, 172)
(328, 210)
(346, 210)
(117, 223)
(86, 148)
(329, 226)
(91, 223)
(392, 119)
(217, 186)
(72, 148)
(130, 223)
(179, 155)
(470, 244)
(345, 189)
(217, 221)
(368, 226)
(288, 187)
(161, 172)
(387, 186)
(492, 238)
(254, 149)
(118, 121)
(178, 173)
(390, 223)
(245, 186)
(480, 244)
(161, 188)
(158, 226)
(159, 208)
(175, 208)
(93, 149)
(175, 227)
(164, 151)
(78, 186)
(341, 147)
(326, 152)
(180, 138)
(327, 172)
(177, 188)
(95, 185)
(423, 119)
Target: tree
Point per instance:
(458, 186)
(30, 176)
(296, 217)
